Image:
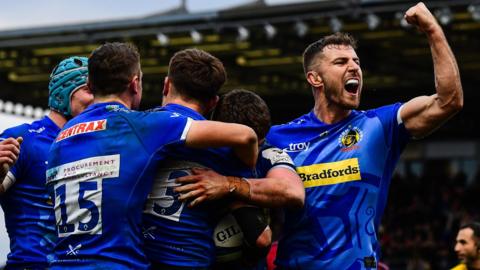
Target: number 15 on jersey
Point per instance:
(77, 190)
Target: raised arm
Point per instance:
(424, 114)
(240, 138)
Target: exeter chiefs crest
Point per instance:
(350, 137)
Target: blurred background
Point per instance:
(437, 182)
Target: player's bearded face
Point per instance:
(342, 76)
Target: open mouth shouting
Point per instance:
(352, 85)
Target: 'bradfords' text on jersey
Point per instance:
(330, 173)
(80, 128)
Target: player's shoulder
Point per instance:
(20, 130)
(290, 128)
(301, 121)
(274, 155)
(27, 129)
(159, 112)
(148, 117)
(390, 109)
(460, 267)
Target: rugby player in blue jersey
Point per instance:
(29, 215)
(176, 236)
(102, 164)
(274, 183)
(346, 157)
(247, 108)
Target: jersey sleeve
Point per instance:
(395, 132)
(274, 137)
(158, 129)
(273, 157)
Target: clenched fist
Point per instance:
(422, 18)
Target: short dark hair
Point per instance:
(112, 66)
(244, 107)
(317, 47)
(196, 74)
(475, 226)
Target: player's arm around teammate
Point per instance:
(240, 138)
(281, 187)
(424, 114)
(278, 185)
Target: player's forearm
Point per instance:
(447, 75)
(268, 192)
(277, 192)
(240, 138)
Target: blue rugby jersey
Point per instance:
(346, 169)
(29, 215)
(175, 234)
(100, 172)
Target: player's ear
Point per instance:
(166, 86)
(314, 79)
(212, 103)
(135, 85)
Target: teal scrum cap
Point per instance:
(67, 77)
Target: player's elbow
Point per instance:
(249, 137)
(298, 199)
(295, 196)
(264, 240)
(248, 147)
(455, 102)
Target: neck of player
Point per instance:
(57, 118)
(330, 113)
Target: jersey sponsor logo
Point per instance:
(296, 121)
(349, 138)
(80, 128)
(40, 130)
(116, 108)
(330, 173)
(297, 147)
(73, 251)
(276, 156)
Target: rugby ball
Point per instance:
(228, 238)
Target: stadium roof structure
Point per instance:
(261, 47)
